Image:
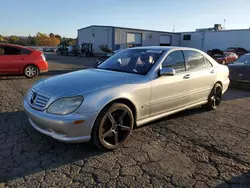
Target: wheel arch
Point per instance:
(29, 65)
(125, 101)
(219, 82)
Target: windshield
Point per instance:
(243, 60)
(137, 61)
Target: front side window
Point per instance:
(174, 60)
(11, 50)
(137, 61)
(194, 60)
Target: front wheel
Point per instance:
(31, 71)
(214, 98)
(113, 126)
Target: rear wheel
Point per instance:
(31, 71)
(214, 98)
(113, 126)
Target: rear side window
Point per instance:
(207, 62)
(11, 50)
(194, 60)
(174, 60)
(25, 51)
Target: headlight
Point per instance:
(65, 106)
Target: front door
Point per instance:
(170, 92)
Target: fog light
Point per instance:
(78, 122)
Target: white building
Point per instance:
(222, 39)
(204, 39)
(120, 38)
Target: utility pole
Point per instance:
(173, 27)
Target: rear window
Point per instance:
(231, 49)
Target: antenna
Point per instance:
(173, 27)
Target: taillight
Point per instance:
(43, 57)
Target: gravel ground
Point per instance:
(195, 148)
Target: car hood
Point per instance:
(83, 81)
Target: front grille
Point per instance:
(38, 100)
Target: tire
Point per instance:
(31, 71)
(214, 98)
(109, 131)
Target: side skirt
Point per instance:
(159, 116)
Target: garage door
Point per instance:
(134, 38)
(165, 40)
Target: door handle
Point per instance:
(212, 71)
(186, 76)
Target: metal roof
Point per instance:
(127, 28)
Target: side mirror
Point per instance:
(167, 72)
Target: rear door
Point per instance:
(11, 60)
(201, 75)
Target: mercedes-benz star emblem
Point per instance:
(33, 98)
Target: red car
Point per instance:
(15, 59)
(223, 58)
(239, 51)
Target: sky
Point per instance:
(64, 17)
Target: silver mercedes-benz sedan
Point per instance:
(131, 88)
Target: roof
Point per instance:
(117, 27)
(14, 45)
(219, 31)
(163, 48)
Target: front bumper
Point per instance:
(61, 127)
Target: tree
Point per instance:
(32, 41)
(45, 40)
(51, 35)
(14, 39)
(58, 37)
(54, 41)
(72, 42)
(2, 39)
